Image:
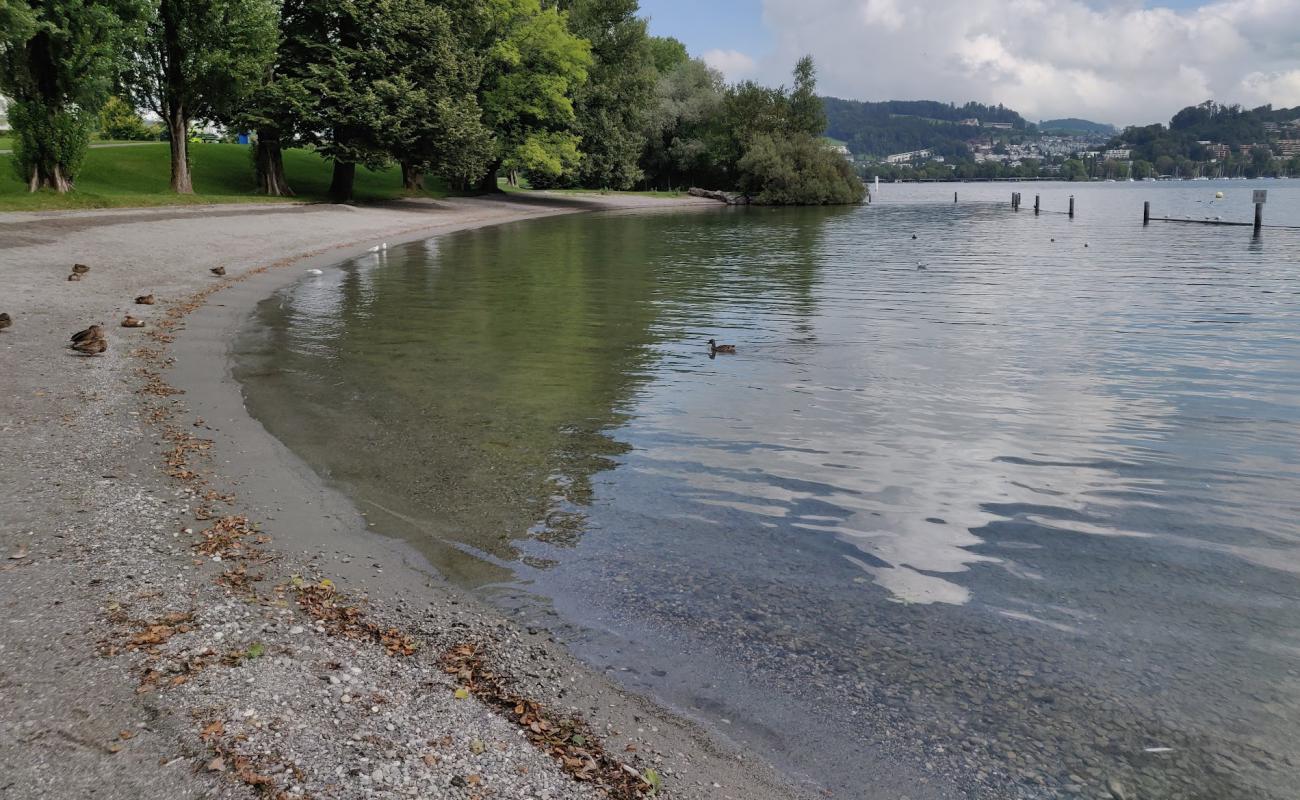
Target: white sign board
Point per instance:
(1261, 196)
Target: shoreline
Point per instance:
(240, 658)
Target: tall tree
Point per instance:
(611, 107)
(533, 66)
(58, 61)
(201, 58)
(682, 131)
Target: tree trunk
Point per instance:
(345, 175)
(412, 177)
(489, 181)
(268, 160)
(178, 128)
(48, 176)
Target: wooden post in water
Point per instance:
(1035, 205)
(1259, 216)
(1071, 206)
(1146, 212)
(954, 197)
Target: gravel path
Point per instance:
(185, 611)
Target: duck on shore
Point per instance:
(218, 271)
(74, 277)
(715, 348)
(132, 322)
(80, 269)
(144, 300)
(5, 321)
(90, 347)
(93, 332)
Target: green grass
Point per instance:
(6, 143)
(115, 177)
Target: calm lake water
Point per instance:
(1016, 524)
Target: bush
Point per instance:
(49, 144)
(118, 120)
(796, 169)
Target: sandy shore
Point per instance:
(189, 612)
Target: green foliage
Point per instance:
(46, 139)
(534, 63)
(58, 60)
(683, 128)
(610, 107)
(897, 126)
(666, 53)
(796, 169)
(117, 120)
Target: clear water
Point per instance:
(1017, 524)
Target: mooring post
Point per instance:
(1071, 206)
(1146, 212)
(954, 197)
(1035, 205)
(1259, 216)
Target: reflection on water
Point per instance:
(995, 528)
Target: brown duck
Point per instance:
(218, 271)
(132, 322)
(144, 300)
(91, 347)
(93, 332)
(80, 269)
(715, 348)
(74, 277)
(5, 321)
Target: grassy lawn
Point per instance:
(223, 173)
(6, 143)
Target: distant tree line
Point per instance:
(899, 126)
(552, 92)
(1176, 149)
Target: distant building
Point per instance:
(972, 121)
(1117, 154)
(1217, 151)
(1002, 126)
(908, 157)
(1289, 147)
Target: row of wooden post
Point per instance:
(1146, 213)
(1015, 203)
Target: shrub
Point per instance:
(117, 120)
(796, 169)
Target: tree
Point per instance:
(533, 65)
(610, 107)
(806, 113)
(200, 59)
(797, 169)
(682, 130)
(117, 120)
(666, 53)
(58, 61)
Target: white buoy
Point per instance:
(1218, 195)
(315, 272)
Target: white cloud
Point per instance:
(731, 63)
(1117, 62)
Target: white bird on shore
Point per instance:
(315, 272)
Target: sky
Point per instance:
(1117, 61)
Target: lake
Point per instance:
(986, 504)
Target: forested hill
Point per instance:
(1074, 125)
(896, 126)
(1230, 125)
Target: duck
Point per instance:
(132, 322)
(919, 265)
(218, 271)
(144, 300)
(91, 347)
(74, 277)
(80, 269)
(714, 347)
(93, 332)
(5, 321)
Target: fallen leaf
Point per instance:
(125, 735)
(216, 765)
(461, 693)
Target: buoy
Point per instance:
(1218, 195)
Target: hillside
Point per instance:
(1074, 125)
(1230, 125)
(895, 126)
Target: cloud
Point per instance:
(1112, 61)
(731, 63)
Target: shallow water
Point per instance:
(993, 528)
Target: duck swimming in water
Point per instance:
(715, 348)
